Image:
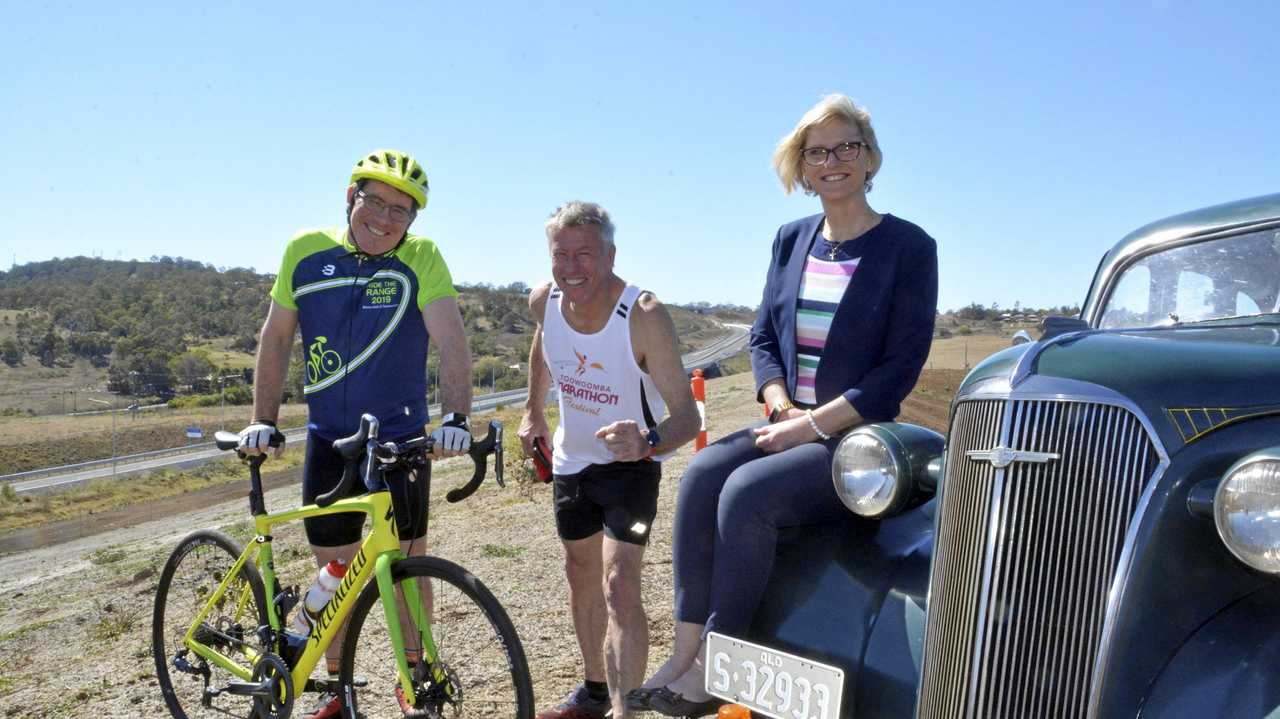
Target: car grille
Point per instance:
(1025, 555)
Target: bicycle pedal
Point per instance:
(320, 685)
(332, 685)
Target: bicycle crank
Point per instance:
(271, 688)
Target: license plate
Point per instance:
(770, 682)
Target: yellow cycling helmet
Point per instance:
(395, 168)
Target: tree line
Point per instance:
(149, 325)
(135, 318)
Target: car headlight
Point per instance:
(1246, 510)
(881, 469)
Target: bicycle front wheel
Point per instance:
(191, 685)
(480, 670)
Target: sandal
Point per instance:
(669, 703)
(638, 699)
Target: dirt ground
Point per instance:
(75, 618)
(966, 351)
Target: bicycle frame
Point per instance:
(373, 559)
(382, 546)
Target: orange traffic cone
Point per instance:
(699, 386)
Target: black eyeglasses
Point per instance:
(379, 205)
(845, 152)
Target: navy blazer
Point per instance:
(883, 326)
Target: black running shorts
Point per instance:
(323, 470)
(620, 497)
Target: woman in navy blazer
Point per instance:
(842, 332)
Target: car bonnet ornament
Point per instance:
(1001, 457)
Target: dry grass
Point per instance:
(505, 537)
(30, 387)
(54, 440)
(965, 351)
(223, 357)
(9, 323)
(108, 494)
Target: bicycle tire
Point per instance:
(194, 570)
(475, 639)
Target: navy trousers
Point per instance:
(731, 502)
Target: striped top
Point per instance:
(821, 288)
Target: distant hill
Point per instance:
(138, 320)
(172, 327)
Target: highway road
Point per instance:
(56, 478)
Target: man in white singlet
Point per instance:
(611, 350)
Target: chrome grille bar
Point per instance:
(1025, 555)
(954, 588)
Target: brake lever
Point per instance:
(479, 452)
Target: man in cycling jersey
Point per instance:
(611, 350)
(367, 297)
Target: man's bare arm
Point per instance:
(272, 365)
(444, 325)
(654, 339)
(534, 423)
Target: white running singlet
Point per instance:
(599, 383)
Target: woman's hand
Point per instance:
(793, 413)
(784, 434)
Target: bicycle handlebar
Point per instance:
(230, 440)
(362, 449)
(491, 444)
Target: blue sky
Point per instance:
(1027, 138)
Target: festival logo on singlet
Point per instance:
(578, 391)
(582, 363)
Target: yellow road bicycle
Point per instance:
(221, 644)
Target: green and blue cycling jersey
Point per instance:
(363, 337)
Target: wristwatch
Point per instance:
(652, 438)
(776, 413)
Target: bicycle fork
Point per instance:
(421, 622)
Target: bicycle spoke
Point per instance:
(190, 684)
(472, 636)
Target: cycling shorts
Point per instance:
(620, 497)
(322, 471)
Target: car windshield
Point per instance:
(1235, 276)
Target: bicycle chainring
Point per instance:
(272, 671)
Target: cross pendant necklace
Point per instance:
(833, 247)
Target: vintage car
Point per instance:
(1105, 536)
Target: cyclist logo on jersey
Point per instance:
(582, 364)
(321, 362)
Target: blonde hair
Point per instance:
(787, 156)
(577, 214)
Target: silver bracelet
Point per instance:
(808, 413)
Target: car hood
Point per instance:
(1187, 380)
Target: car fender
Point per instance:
(1226, 668)
(852, 593)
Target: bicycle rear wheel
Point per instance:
(194, 570)
(480, 655)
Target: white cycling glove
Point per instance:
(257, 437)
(453, 435)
